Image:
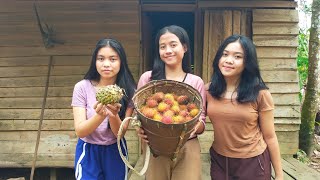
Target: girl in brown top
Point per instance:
(241, 110)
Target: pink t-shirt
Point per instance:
(84, 95)
(191, 79)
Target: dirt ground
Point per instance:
(315, 158)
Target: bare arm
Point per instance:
(200, 126)
(115, 120)
(267, 127)
(84, 127)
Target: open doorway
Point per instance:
(154, 21)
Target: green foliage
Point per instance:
(302, 59)
(302, 157)
(305, 7)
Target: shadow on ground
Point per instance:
(40, 173)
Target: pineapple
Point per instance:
(109, 94)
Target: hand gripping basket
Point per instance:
(165, 139)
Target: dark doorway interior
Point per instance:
(154, 21)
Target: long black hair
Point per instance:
(250, 82)
(124, 79)
(158, 71)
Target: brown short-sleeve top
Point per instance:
(236, 126)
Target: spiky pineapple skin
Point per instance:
(109, 94)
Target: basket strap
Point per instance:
(136, 124)
(182, 135)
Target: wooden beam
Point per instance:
(275, 16)
(246, 4)
(168, 7)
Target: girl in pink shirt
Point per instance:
(172, 61)
(97, 156)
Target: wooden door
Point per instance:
(147, 43)
(218, 25)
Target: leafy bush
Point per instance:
(302, 157)
(302, 59)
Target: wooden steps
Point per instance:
(294, 169)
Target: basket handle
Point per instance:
(136, 124)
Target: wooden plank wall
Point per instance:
(275, 34)
(24, 66)
(218, 25)
(247, 4)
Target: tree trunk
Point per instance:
(310, 104)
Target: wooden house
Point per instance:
(55, 58)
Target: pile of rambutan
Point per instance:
(169, 108)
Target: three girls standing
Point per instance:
(238, 104)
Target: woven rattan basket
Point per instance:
(166, 139)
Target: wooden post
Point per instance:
(53, 174)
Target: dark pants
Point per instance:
(317, 122)
(255, 168)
